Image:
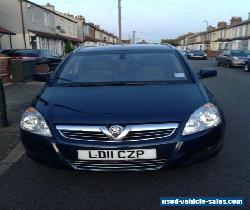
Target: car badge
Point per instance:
(115, 131)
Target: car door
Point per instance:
(224, 58)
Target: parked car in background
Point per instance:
(185, 52)
(127, 107)
(248, 53)
(3, 52)
(196, 54)
(232, 58)
(42, 56)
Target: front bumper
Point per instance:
(174, 150)
(197, 57)
(238, 63)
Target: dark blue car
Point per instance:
(131, 107)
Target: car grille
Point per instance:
(133, 165)
(133, 132)
(84, 135)
(148, 134)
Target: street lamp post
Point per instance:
(205, 21)
(3, 112)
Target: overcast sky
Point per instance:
(153, 20)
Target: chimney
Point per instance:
(80, 17)
(210, 28)
(235, 20)
(49, 6)
(222, 24)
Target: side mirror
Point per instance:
(206, 73)
(42, 77)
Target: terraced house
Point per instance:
(234, 36)
(38, 27)
(95, 36)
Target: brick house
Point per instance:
(38, 27)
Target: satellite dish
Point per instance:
(59, 27)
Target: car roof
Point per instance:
(126, 47)
(30, 49)
(237, 50)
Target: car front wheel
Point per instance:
(246, 68)
(228, 64)
(217, 63)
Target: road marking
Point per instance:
(12, 158)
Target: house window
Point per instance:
(70, 28)
(75, 30)
(226, 46)
(32, 15)
(46, 18)
(44, 43)
(244, 44)
(86, 31)
(244, 30)
(237, 45)
(238, 32)
(61, 23)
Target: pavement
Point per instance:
(18, 96)
(25, 184)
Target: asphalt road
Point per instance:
(28, 185)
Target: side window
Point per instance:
(46, 53)
(17, 53)
(46, 18)
(226, 53)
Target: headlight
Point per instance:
(205, 54)
(191, 54)
(202, 119)
(235, 58)
(34, 122)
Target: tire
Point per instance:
(246, 68)
(228, 64)
(217, 63)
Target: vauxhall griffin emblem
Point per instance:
(115, 131)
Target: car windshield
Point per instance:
(197, 51)
(122, 67)
(238, 53)
(47, 53)
(247, 53)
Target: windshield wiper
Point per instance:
(64, 79)
(89, 84)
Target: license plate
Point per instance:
(133, 154)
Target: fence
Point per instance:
(5, 69)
